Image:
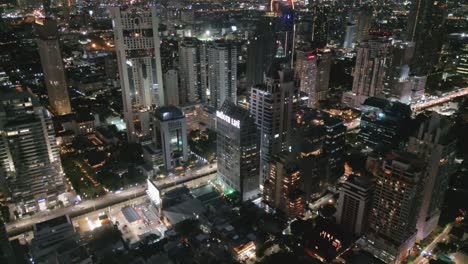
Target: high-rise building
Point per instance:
(281, 189)
(364, 23)
(137, 45)
(170, 134)
(222, 72)
(52, 65)
(426, 28)
(193, 74)
(369, 71)
(171, 83)
(334, 146)
(435, 142)
(271, 106)
(29, 158)
(354, 203)
(395, 207)
(313, 71)
(260, 51)
(384, 124)
(238, 151)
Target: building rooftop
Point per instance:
(169, 112)
(64, 219)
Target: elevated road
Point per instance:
(25, 224)
(440, 100)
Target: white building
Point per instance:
(193, 71)
(369, 71)
(222, 72)
(137, 46)
(271, 105)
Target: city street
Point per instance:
(86, 206)
(421, 259)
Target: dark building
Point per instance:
(281, 188)
(333, 146)
(354, 203)
(384, 124)
(52, 65)
(426, 27)
(260, 51)
(238, 151)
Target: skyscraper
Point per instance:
(260, 51)
(170, 134)
(29, 159)
(435, 143)
(369, 71)
(271, 106)
(52, 65)
(334, 147)
(222, 72)
(426, 28)
(364, 22)
(354, 203)
(281, 189)
(313, 70)
(193, 74)
(137, 45)
(238, 147)
(395, 207)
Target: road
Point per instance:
(421, 259)
(441, 99)
(25, 224)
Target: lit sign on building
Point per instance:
(228, 119)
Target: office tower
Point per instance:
(369, 71)
(281, 190)
(395, 206)
(435, 143)
(324, 61)
(222, 72)
(313, 70)
(29, 157)
(238, 151)
(52, 66)
(364, 22)
(193, 74)
(397, 84)
(333, 147)
(55, 241)
(320, 26)
(350, 36)
(384, 124)
(271, 106)
(171, 83)
(354, 203)
(170, 135)
(137, 45)
(426, 28)
(260, 51)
